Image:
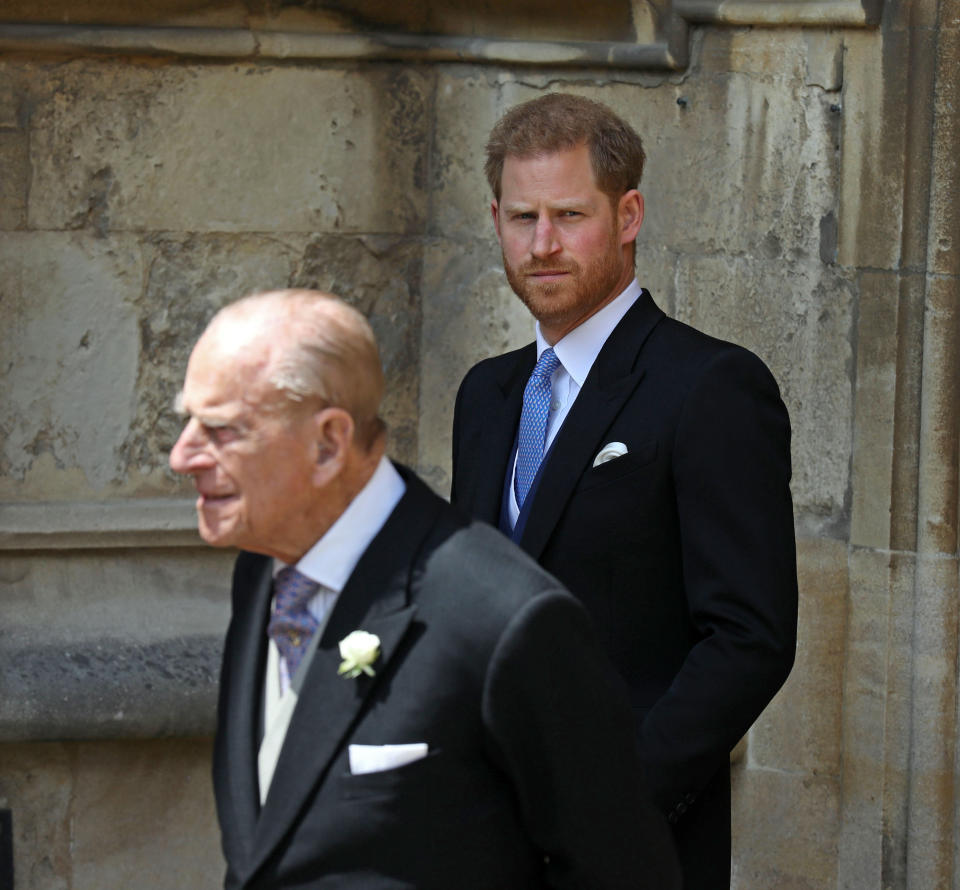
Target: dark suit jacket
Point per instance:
(682, 550)
(532, 779)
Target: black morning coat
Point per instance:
(682, 550)
(532, 778)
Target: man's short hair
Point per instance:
(559, 121)
(325, 352)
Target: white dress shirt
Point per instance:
(577, 352)
(333, 558)
(329, 562)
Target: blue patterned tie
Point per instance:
(533, 422)
(291, 625)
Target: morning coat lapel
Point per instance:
(615, 374)
(376, 598)
(247, 661)
(501, 417)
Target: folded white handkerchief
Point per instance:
(609, 451)
(377, 758)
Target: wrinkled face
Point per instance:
(566, 247)
(251, 457)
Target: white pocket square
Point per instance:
(377, 758)
(609, 451)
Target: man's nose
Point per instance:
(189, 454)
(545, 241)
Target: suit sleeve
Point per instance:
(731, 466)
(558, 721)
(456, 469)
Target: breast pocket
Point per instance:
(391, 782)
(640, 455)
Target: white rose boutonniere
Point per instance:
(358, 650)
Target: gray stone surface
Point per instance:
(68, 338)
(112, 815)
(105, 644)
(798, 318)
(227, 148)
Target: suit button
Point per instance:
(672, 817)
(681, 808)
(690, 798)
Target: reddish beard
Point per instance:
(564, 304)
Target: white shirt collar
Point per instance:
(579, 349)
(333, 558)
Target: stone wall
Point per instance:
(802, 198)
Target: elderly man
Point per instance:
(406, 700)
(643, 463)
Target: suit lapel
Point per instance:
(499, 425)
(376, 598)
(247, 655)
(615, 375)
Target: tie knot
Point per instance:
(293, 590)
(546, 364)
(291, 625)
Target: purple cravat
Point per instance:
(291, 625)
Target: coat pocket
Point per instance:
(389, 782)
(637, 457)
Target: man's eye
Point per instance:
(220, 434)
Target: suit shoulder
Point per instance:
(485, 573)
(489, 369)
(692, 353)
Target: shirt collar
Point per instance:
(579, 349)
(333, 558)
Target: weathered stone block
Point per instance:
(939, 485)
(36, 785)
(876, 720)
(90, 816)
(137, 805)
(68, 337)
(944, 248)
(229, 148)
(467, 107)
(380, 275)
(784, 830)
(875, 411)
(873, 159)
(933, 712)
(111, 644)
(797, 317)
(15, 182)
(469, 313)
(800, 731)
(824, 55)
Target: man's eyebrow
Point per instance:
(561, 204)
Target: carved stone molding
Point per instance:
(234, 43)
(823, 13)
(81, 525)
(657, 38)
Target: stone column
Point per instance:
(900, 229)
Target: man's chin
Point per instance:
(215, 531)
(546, 304)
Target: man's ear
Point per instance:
(630, 215)
(495, 213)
(332, 432)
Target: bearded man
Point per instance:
(643, 463)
